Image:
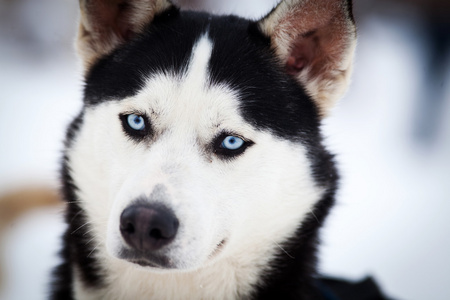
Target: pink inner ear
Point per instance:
(113, 16)
(295, 65)
(127, 34)
(122, 20)
(303, 53)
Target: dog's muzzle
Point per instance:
(146, 229)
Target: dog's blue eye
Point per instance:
(136, 122)
(227, 146)
(232, 143)
(136, 126)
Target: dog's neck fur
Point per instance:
(232, 278)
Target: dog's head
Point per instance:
(199, 137)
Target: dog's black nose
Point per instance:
(148, 228)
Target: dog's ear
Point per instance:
(105, 24)
(315, 41)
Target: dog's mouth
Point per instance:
(161, 261)
(145, 263)
(146, 260)
(218, 249)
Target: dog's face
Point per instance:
(199, 139)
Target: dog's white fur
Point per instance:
(253, 202)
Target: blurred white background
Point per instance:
(391, 134)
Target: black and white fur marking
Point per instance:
(231, 224)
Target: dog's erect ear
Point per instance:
(315, 40)
(105, 24)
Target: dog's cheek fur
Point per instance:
(272, 180)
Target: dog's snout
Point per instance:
(148, 228)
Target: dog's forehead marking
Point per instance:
(198, 66)
(189, 101)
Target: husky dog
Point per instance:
(196, 168)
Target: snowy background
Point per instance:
(391, 133)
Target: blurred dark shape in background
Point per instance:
(434, 34)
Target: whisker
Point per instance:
(88, 231)
(80, 227)
(279, 246)
(90, 240)
(76, 215)
(315, 217)
(92, 251)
